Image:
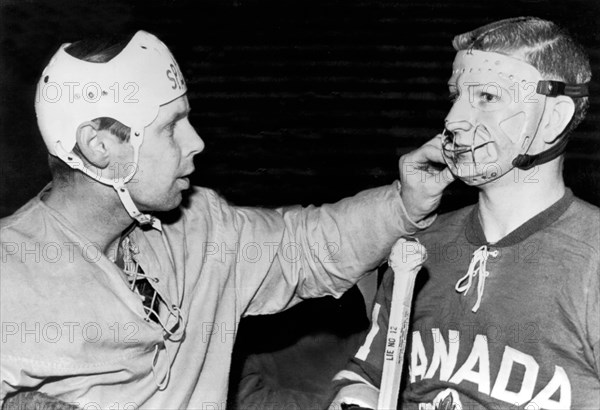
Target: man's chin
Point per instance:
(473, 181)
(478, 180)
(174, 202)
(167, 205)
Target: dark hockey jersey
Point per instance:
(529, 339)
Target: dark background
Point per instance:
(297, 101)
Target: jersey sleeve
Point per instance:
(319, 251)
(359, 382)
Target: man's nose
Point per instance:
(457, 126)
(194, 144)
(459, 117)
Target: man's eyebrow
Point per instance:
(179, 115)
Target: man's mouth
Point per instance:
(184, 178)
(451, 145)
(185, 182)
(461, 149)
(187, 173)
(454, 148)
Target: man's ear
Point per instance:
(559, 116)
(92, 145)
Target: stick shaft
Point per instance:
(396, 340)
(405, 273)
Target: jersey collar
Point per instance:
(475, 235)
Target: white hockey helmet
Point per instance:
(129, 88)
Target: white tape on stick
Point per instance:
(406, 259)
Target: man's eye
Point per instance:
(453, 97)
(489, 98)
(171, 127)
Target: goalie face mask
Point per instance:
(494, 117)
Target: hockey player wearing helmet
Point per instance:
(509, 314)
(130, 312)
(142, 89)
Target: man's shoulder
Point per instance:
(581, 221)
(24, 221)
(206, 204)
(197, 203)
(586, 210)
(23, 241)
(201, 199)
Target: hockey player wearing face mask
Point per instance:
(508, 316)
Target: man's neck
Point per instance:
(506, 204)
(93, 209)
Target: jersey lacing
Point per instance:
(476, 268)
(140, 284)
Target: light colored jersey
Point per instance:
(72, 328)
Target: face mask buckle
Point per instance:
(551, 88)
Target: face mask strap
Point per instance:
(551, 88)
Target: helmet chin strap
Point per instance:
(132, 210)
(118, 184)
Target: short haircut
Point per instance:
(94, 50)
(545, 45)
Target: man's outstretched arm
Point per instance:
(335, 244)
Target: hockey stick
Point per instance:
(406, 259)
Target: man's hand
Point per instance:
(424, 175)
